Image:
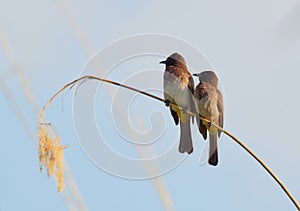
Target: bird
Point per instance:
(178, 85)
(209, 105)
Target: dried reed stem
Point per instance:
(84, 41)
(32, 100)
(189, 112)
(18, 72)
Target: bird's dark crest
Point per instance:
(208, 77)
(174, 60)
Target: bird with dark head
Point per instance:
(179, 89)
(174, 60)
(209, 105)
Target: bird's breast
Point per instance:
(177, 89)
(207, 106)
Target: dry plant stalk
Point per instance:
(50, 150)
(51, 153)
(73, 196)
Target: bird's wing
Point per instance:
(191, 84)
(175, 116)
(200, 92)
(201, 127)
(174, 113)
(221, 110)
(191, 93)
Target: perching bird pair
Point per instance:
(206, 101)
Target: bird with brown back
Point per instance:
(209, 105)
(179, 89)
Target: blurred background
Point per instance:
(254, 47)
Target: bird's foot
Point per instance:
(167, 103)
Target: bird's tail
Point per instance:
(186, 144)
(213, 149)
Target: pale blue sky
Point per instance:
(254, 47)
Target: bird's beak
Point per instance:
(196, 74)
(162, 62)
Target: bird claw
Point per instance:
(167, 103)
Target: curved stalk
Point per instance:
(273, 175)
